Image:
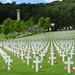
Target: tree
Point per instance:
(6, 26)
(12, 27)
(68, 1)
(31, 21)
(23, 26)
(41, 22)
(18, 26)
(35, 28)
(0, 28)
(47, 23)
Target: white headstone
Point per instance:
(63, 56)
(14, 51)
(9, 61)
(37, 62)
(52, 58)
(69, 63)
(42, 54)
(22, 55)
(34, 53)
(28, 57)
(18, 54)
(71, 54)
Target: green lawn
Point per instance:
(2, 36)
(16, 35)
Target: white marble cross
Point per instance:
(66, 50)
(22, 55)
(34, 53)
(37, 62)
(18, 54)
(5, 57)
(28, 57)
(14, 51)
(52, 57)
(69, 63)
(8, 60)
(71, 54)
(42, 54)
(72, 48)
(63, 56)
(38, 51)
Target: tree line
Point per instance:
(61, 13)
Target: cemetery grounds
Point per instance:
(36, 45)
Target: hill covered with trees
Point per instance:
(42, 14)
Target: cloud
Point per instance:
(17, 2)
(5, 1)
(48, 1)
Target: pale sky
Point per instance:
(28, 1)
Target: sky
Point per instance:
(28, 1)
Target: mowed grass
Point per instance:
(2, 36)
(21, 68)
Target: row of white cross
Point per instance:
(6, 58)
(40, 49)
(63, 55)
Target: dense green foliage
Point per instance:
(12, 26)
(61, 13)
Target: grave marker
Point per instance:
(63, 56)
(69, 63)
(71, 54)
(42, 54)
(8, 60)
(52, 58)
(28, 57)
(22, 55)
(37, 62)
